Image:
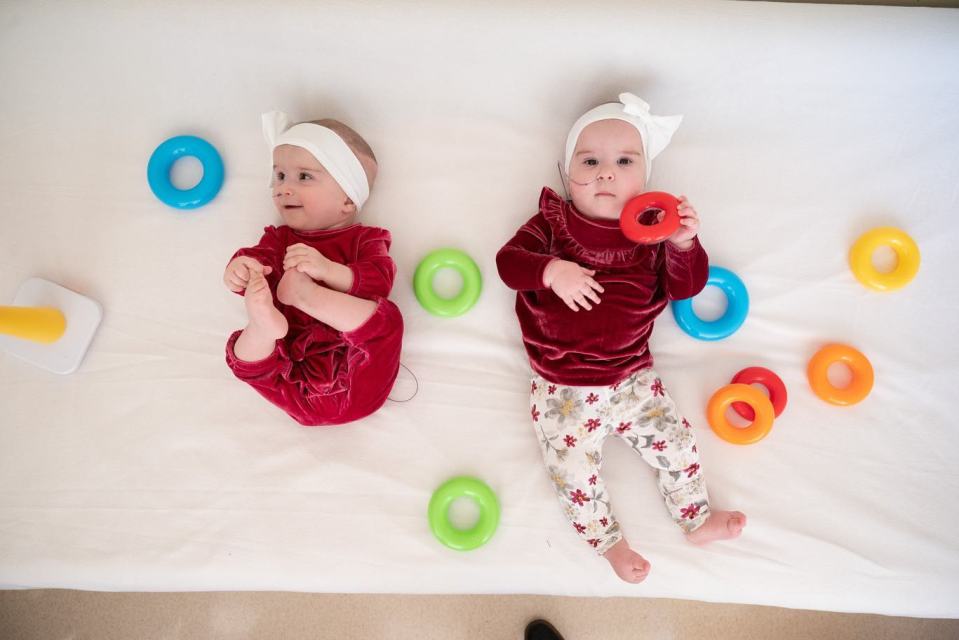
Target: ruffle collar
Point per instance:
(587, 239)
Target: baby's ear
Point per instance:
(349, 208)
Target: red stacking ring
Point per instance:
(650, 233)
(773, 383)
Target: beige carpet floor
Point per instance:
(79, 615)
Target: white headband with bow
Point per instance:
(656, 131)
(327, 147)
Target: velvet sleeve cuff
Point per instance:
(372, 278)
(522, 270)
(386, 320)
(687, 270)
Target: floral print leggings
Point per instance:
(572, 424)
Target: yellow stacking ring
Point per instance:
(862, 375)
(726, 396)
(907, 254)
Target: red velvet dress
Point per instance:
(318, 375)
(609, 343)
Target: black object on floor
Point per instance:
(541, 630)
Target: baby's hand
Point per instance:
(237, 274)
(306, 259)
(572, 283)
(688, 225)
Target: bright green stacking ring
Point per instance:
(426, 271)
(482, 531)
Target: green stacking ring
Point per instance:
(463, 539)
(426, 271)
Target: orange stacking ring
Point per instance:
(722, 399)
(862, 375)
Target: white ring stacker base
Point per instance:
(83, 317)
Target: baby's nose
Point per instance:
(607, 173)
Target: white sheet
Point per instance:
(152, 468)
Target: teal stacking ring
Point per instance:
(162, 160)
(737, 307)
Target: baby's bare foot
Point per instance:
(720, 525)
(265, 319)
(628, 565)
(293, 288)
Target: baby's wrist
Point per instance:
(548, 273)
(683, 246)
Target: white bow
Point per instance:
(656, 131)
(274, 124)
(634, 105)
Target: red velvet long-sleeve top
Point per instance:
(610, 342)
(323, 354)
(365, 250)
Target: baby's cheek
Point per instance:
(577, 194)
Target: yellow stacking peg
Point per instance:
(49, 325)
(39, 324)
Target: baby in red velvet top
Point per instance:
(322, 341)
(586, 301)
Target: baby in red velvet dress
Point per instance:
(586, 301)
(322, 341)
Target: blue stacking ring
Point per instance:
(161, 162)
(737, 306)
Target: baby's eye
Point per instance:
(590, 162)
(280, 176)
(305, 176)
(625, 162)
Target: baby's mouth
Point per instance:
(292, 206)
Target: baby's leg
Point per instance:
(266, 323)
(720, 525)
(338, 310)
(571, 439)
(653, 427)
